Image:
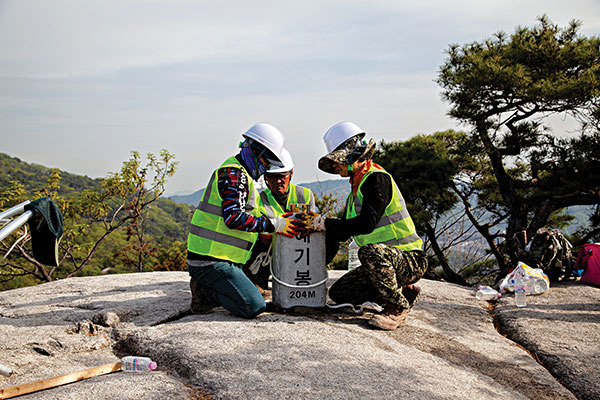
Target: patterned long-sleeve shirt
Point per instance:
(233, 187)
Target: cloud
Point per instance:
(101, 78)
(66, 38)
(82, 38)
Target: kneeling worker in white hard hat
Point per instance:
(226, 224)
(278, 198)
(281, 195)
(390, 250)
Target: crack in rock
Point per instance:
(501, 329)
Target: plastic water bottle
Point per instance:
(487, 293)
(540, 285)
(528, 284)
(520, 295)
(5, 371)
(137, 364)
(353, 260)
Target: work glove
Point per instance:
(313, 222)
(286, 226)
(318, 223)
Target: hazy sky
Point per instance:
(82, 83)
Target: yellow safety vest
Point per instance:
(209, 235)
(272, 209)
(395, 228)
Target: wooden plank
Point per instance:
(31, 387)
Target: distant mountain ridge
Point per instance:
(35, 175)
(168, 219)
(337, 187)
(192, 199)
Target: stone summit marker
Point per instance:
(299, 271)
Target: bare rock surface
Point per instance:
(562, 330)
(449, 348)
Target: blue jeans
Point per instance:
(225, 284)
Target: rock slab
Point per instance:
(449, 348)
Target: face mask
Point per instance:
(255, 167)
(262, 168)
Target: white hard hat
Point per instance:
(268, 136)
(339, 133)
(288, 163)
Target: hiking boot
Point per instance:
(412, 294)
(270, 307)
(392, 317)
(200, 304)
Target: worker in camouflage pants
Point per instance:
(390, 252)
(383, 273)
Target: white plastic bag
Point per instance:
(536, 281)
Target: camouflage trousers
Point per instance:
(380, 277)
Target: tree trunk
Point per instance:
(450, 273)
(483, 230)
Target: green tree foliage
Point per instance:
(424, 170)
(33, 177)
(505, 88)
(13, 194)
(171, 257)
(329, 205)
(118, 224)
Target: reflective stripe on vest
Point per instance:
(209, 235)
(272, 209)
(395, 228)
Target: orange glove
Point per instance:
(287, 225)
